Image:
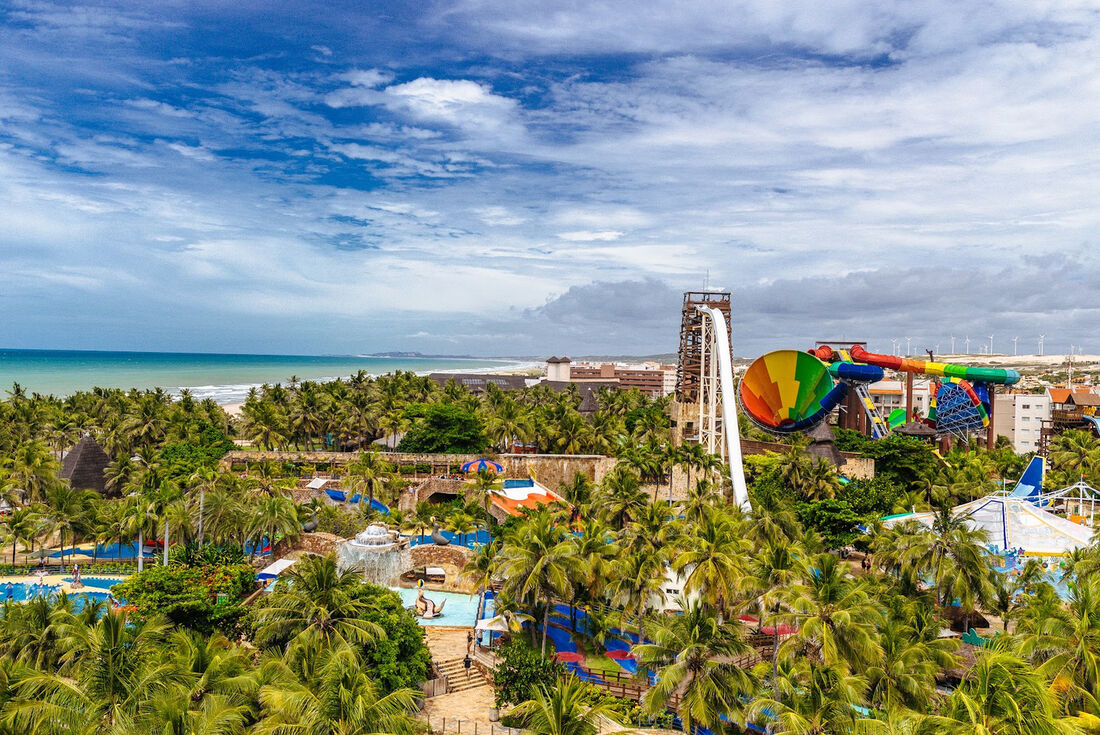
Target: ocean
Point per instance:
(225, 378)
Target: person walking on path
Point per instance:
(466, 662)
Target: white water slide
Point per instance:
(720, 432)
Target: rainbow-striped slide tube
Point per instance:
(999, 376)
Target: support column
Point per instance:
(908, 397)
(991, 435)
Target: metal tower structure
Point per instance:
(691, 340)
(705, 381)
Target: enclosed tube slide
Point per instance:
(729, 406)
(999, 376)
(787, 391)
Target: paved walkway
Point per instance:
(446, 643)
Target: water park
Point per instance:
(627, 547)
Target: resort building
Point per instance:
(888, 395)
(651, 378)
(477, 382)
(1019, 417)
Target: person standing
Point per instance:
(466, 663)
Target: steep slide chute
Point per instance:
(729, 405)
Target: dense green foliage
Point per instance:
(442, 428)
(98, 671)
(201, 598)
(522, 669)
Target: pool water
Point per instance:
(99, 583)
(458, 609)
(23, 591)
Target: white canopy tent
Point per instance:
(274, 570)
(1012, 523)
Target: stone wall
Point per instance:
(430, 555)
(313, 543)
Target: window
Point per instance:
(1026, 405)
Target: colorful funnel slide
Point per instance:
(787, 390)
(1000, 376)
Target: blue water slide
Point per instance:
(856, 372)
(1031, 482)
(1095, 421)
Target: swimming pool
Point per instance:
(458, 609)
(99, 583)
(23, 591)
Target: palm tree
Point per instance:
(22, 525)
(815, 699)
(1001, 695)
(636, 581)
(1066, 646)
(562, 710)
(834, 615)
(694, 655)
(272, 516)
(772, 573)
(116, 665)
(319, 606)
(714, 559)
(30, 469)
(367, 474)
(67, 508)
(536, 563)
(481, 488)
(336, 698)
(621, 496)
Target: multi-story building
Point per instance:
(650, 378)
(888, 395)
(1019, 417)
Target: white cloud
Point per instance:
(589, 235)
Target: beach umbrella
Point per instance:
(780, 630)
(478, 465)
(39, 554)
(619, 655)
(748, 619)
(568, 656)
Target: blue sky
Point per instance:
(520, 177)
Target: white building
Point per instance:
(888, 395)
(1019, 417)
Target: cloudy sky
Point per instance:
(505, 177)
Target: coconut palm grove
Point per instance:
(134, 607)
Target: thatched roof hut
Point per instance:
(85, 466)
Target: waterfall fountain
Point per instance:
(379, 552)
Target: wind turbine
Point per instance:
(1014, 345)
(908, 351)
(952, 344)
(991, 344)
(894, 347)
(967, 342)
(1041, 338)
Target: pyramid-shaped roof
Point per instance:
(85, 464)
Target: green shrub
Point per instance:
(189, 596)
(521, 668)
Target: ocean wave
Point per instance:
(232, 393)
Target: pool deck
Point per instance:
(54, 580)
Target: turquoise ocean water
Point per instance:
(225, 378)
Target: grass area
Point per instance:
(602, 664)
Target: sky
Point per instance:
(512, 177)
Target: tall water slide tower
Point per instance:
(705, 409)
